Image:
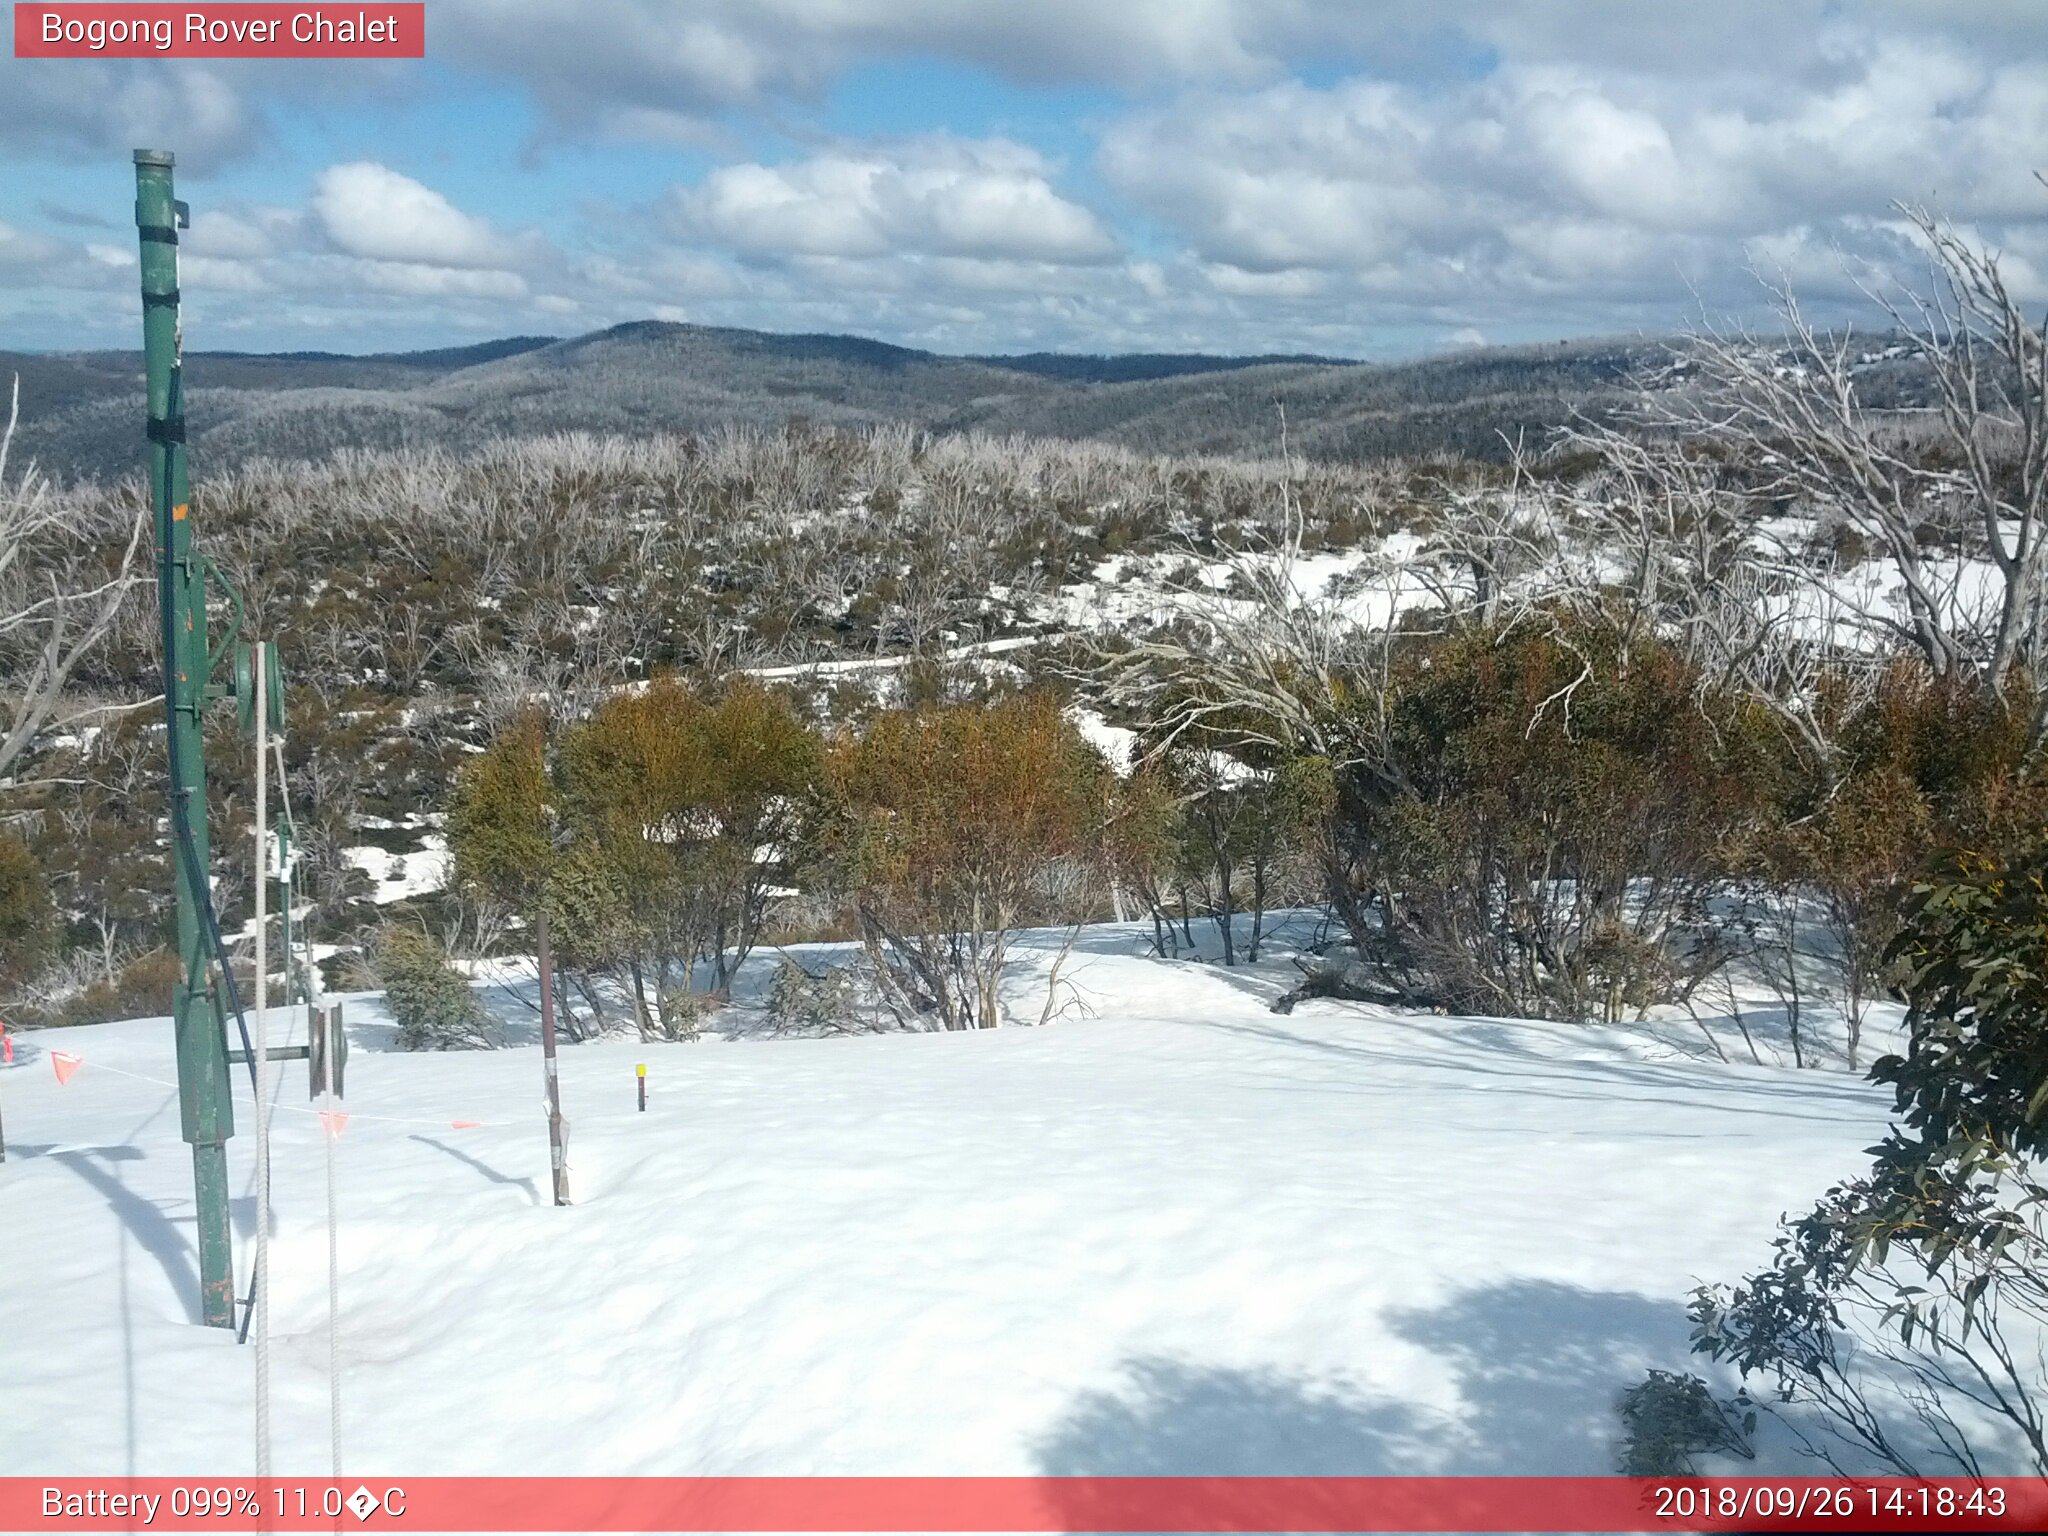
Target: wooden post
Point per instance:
(558, 1131)
(259, 1275)
(640, 1071)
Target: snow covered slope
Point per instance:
(1183, 1234)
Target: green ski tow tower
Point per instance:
(207, 1108)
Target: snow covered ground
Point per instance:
(1179, 1234)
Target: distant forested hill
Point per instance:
(81, 412)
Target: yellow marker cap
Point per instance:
(640, 1067)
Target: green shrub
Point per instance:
(430, 1001)
(1931, 1271)
(1555, 811)
(826, 1002)
(28, 923)
(1668, 1419)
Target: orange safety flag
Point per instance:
(336, 1120)
(66, 1064)
(463, 1125)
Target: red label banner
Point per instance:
(1024, 1504)
(115, 31)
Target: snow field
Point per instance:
(1184, 1234)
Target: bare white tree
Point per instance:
(59, 594)
(1949, 501)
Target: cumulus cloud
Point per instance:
(652, 69)
(367, 209)
(370, 246)
(1540, 178)
(1310, 175)
(944, 197)
(23, 252)
(79, 108)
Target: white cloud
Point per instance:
(243, 235)
(221, 274)
(423, 280)
(990, 200)
(1286, 283)
(653, 69)
(367, 209)
(1517, 167)
(78, 108)
(22, 251)
(1543, 180)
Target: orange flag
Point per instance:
(336, 1120)
(463, 1125)
(66, 1064)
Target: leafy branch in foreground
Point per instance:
(1923, 1286)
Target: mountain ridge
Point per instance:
(80, 410)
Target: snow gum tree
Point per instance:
(1142, 847)
(67, 566)
(1560, 813)
(658, 831)
(1241, 822)
(692, 811)
(504, 832)
(949, 819)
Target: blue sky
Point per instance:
(1335, 176)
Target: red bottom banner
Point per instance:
(1023, 1504)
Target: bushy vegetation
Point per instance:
(1564, 807)
(1669, 1420)
(1910, 1304)
(658, 833)
(423, 600)
(654, 833)
(430, 1001)
(953, 826)
(28, 922)
(1567, 737)
(1546, 822)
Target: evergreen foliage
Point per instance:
(430, 1001)
(1973, 1083)
(949, 820)
(28, 922)
(1939, 1256)
(1538, 820)
(1668, 1419)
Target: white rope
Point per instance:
(329, 1050)
(260, 1281)
(351, 1117)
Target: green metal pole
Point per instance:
(207, 1110)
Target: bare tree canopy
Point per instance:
(59, 593)
(1941, 504)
